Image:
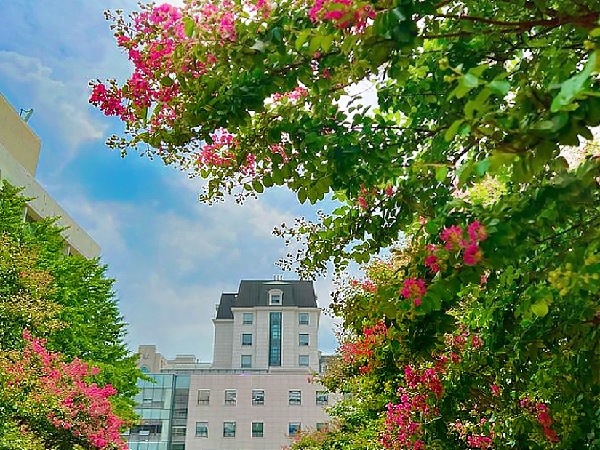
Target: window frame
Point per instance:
(297, 426)
(244, 341)
(245, 357)
(322, 401)
(231, 401)
(300, 360)
(245, 316)
(203, 402)
(255, 432)
(276, 293)
(301, 341)
(231, 432)
(295, 397)
(322, 426)
(255, 401)
(301, 315)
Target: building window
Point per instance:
(228, 429)
(322, 426)
(303, 339)
(246, 361)
(246, 339)
(178, 431)
(275, 297)
(303, 360)
(293, 428)
(230, 397)
(303, 319)
(322, 398)
(257, 429)
(203, 396)
(295, 397)
(258, 397)
(247, 319)
(275, 339)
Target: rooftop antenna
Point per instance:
(26, 114)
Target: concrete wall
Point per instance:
(222, 350)
(18, 138)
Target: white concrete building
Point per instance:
(19, 155)
(259, 389)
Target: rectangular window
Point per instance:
(275, 339)
(203, 396)
(201, 429)
(322, 426)
(258, 397)
(247, 319)
(322, 398)
(303, 319)
(303, 339)
(246, 339)
(293, 428)
(228, 429)
(257, 429)
(295, 397)
(275, 298)
(178, 431)
(230, 397)
(303, 360)
(246, 361)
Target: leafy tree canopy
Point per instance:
(483, 330)
(67, 300)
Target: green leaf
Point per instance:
(326, 42)
(258, 186)
(499, 87)
(301, 39)
(315, 44)
(574, 86)
(540, 308)
(451, 132)
(441, 173)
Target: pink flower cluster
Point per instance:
(542, 414)
(342, 13)
(454, 240)
(221, 151)
(356, 352)
(159, 48)
(403, 422)
(365, 285)
(474, 434)
(295, 95)
(414, 289)
(78, 406)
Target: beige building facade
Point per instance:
(19, 156)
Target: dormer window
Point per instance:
(275, 297)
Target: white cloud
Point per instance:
(61, 105)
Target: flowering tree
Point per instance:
(459, 142)
(50, 397)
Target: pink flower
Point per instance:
(477, 231)
(473, 254)
(452, 236)
(431, 261)
(495, 390)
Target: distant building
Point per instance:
(19, 155)
(259, 389)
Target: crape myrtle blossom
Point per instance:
(63, 392)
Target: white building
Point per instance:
(259, 390)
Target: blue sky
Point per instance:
(171, 255)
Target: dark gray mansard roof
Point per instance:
(256, 293)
